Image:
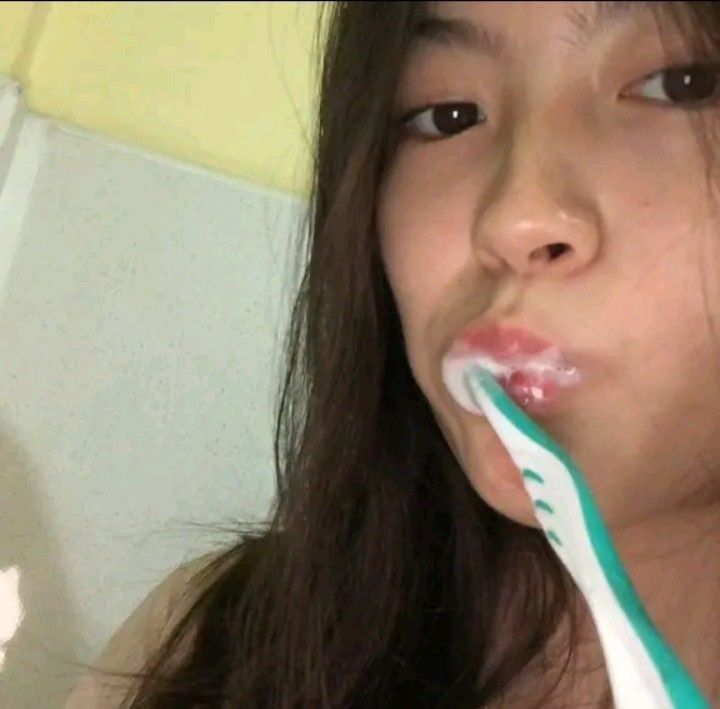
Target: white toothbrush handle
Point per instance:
(633, 677)
(637, 681)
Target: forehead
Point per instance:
(492, 28)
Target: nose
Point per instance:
(535, 219)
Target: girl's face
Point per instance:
(574, 143)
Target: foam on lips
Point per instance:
(531, 380)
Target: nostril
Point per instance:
(551, 250)
(556, 250)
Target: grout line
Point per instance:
(20, 69)
(17, 190)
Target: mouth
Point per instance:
(535, 373)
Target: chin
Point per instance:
(509, 499)
(520, 511)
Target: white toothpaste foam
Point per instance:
(547, 363)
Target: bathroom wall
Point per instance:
(152, 179)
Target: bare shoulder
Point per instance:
(142, 632)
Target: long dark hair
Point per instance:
(382, 578)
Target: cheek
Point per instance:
(665, 352)
(709, 254)
(415, 245)
(424, 220)
(419, 248)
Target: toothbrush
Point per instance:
(644, 672)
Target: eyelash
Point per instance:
(692, 105)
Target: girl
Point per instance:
(514, 176)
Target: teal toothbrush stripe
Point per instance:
(532, 475)
(542, 505)
(554, 537)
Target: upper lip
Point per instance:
(502, 342)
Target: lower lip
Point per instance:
(533, 392)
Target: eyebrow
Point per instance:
(479, 39)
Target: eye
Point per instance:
(442, 120)
(690, 86)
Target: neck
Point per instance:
(674, 564)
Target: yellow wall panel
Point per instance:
(225, 85)
(14, 19)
